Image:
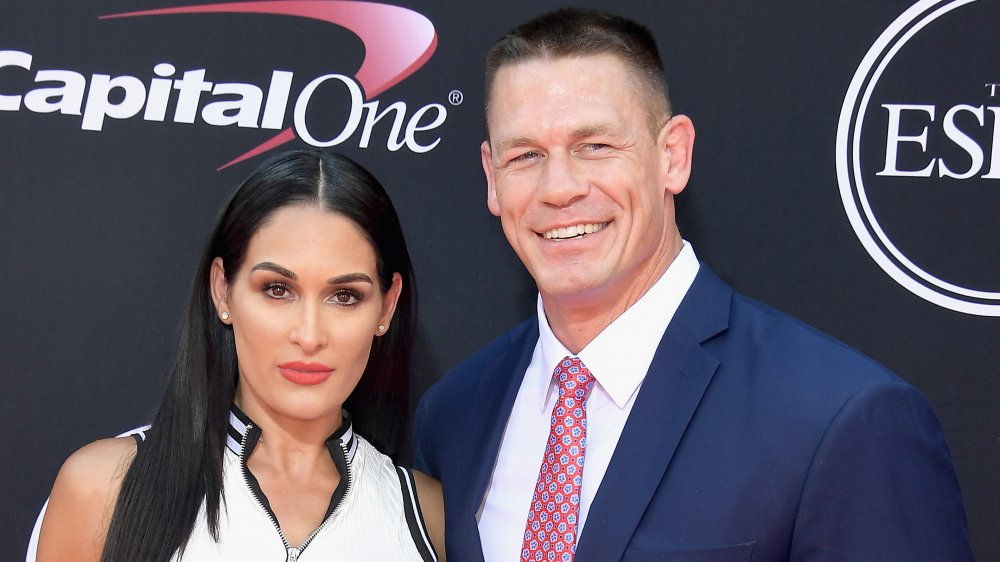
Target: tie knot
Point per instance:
(574, 378)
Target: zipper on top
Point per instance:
(343, 466)
(349, 476)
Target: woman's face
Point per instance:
(304, 308)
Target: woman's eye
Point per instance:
(276, 291)
(345, 298)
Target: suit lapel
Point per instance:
(671, 391)
(493, 400)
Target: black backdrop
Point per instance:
(98, 229)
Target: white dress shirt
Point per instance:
(618, 358)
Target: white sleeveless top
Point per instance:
(373, 514)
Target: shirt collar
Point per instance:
(621, 354)
(239, 425)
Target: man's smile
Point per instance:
(573, 231)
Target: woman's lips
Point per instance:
(299, 372)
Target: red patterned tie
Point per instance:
(550, 533)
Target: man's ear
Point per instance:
(491, 184)
(676, 143)
(389, 301)
(220, 290)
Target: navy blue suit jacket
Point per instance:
(753, 437)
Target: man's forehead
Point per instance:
(531, 82)
(520, 87)
(583, 94)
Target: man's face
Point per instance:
(581, 184)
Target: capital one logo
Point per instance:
(397, 43)
(918, 153)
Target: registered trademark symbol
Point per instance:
(455, 97)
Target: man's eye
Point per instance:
(525, 156)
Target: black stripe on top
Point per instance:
(414, 517)
(342, 447)
(238, 422)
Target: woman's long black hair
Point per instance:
(180, 463)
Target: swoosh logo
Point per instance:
(397, 41)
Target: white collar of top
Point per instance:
(240, 424)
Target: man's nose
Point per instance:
(562, 181)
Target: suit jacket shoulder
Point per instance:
(775, 441)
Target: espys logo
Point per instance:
(397, 42)
(918, 153)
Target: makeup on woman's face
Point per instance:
(304, 308)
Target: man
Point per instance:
(706, 426)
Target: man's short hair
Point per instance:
(576, 32)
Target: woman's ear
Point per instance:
(389, 301)
(220, 290)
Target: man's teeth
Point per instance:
(573, 231)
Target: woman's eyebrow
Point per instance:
(270, 266)
(339, 279)
(349, 278)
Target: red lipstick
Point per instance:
(300, 372)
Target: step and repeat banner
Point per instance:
(847, 171)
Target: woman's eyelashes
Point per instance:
(277, 291)
(342, 296)
(346, 297)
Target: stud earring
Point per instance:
(225, 315)
(381, 329)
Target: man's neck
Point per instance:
(576, 320)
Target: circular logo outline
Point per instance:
(852, 189)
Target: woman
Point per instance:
(302, 311)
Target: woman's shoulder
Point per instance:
(97, 467)
(431, 508)
(102, 454)
(82, 500)
(428, 490)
